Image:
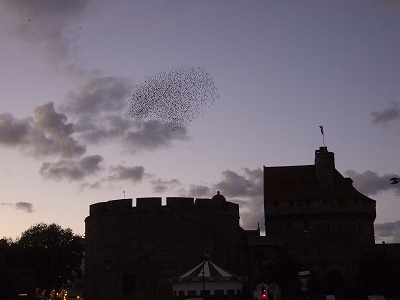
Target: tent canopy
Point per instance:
(208, 269)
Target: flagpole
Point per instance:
(323, 135)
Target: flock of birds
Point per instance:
(174, 98)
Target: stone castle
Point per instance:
(132, 251)
(312, 213)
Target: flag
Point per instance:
(322, 129)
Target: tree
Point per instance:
(55, 254)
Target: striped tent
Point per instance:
(210, 270)
(207, 279)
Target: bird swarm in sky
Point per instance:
(175, 97)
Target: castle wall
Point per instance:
(316, 221)
(132, 251)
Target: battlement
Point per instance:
(149, 204)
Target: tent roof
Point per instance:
(210, 270)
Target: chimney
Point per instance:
(325, 168)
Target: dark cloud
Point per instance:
(72, 170)
(100, 95)
(25, 206)
(247, 185)
(388, 232)
(370, 183)
(99, 108)
(160, 186)
(133, 174)
(253, 215)
(389, 114)
(245, 189)
(14, 132)
(52, 134)
(50, 26)
(198, 191)
(94, 186)
(151, 136)
(48, 133)
(137, 173)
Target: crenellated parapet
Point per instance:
(172, 203)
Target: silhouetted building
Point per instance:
(315, 220)
(316, 205)
(131, 252)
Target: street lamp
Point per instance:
(394, 180)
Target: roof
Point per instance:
(211, 270)
(300, 182)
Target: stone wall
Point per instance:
(131, 252)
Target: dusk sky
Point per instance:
(280, 68)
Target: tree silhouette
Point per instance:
(55, 255)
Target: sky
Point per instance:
(277, 70)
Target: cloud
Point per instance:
(72, 170)
(389, 114)
(245, 189)
(160, 186)
(388, 232)
(13, 132)
(137, 174)
(25, 206)
(48, 133)
(151, 136)
(133, 174)
(253, 216)
(370, 183)
(52, 135)
(198, 191)
(249, 184)
(99, 109)
(100, 95)
(50, 26)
